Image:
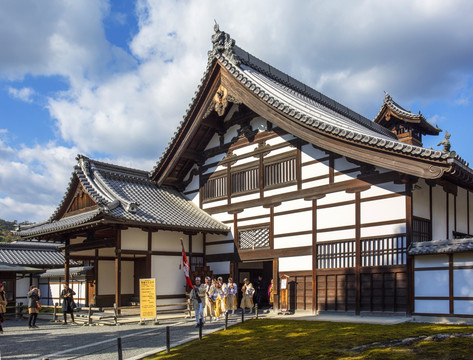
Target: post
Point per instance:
(200, 329)
(120, 352)
(242, 316)
(115, 313)
(256, 310)
(89, 316)
(66, 261)
(18, 310)
(55, 312)
(226, 321)
(168, 340)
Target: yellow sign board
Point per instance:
(148, 298)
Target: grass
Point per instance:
(297, 339)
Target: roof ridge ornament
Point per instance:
(223, 44)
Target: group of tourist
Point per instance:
(215, 298)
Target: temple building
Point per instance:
(266, 175)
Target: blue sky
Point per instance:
(112, 79)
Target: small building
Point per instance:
(266, 175)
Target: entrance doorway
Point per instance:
(251, 271)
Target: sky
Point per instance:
(112, 79)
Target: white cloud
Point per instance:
(24, 94)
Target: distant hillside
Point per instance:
(5, 230)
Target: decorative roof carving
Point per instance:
(445, 142)
(223, 44)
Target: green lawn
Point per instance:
(297, 339)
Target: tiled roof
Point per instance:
(73, 271)
(18, 268)
(441, 247)
(299, 102)
(31, 254)
(127, 195)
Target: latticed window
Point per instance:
(254, 238)
(215, 188)
(280, 172)
(421, 229)
(246, 180)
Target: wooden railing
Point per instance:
(336, 254)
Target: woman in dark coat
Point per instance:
(68, 304)
(33, 300)
(3, 306)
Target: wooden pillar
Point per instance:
(271, 227)
(148, 255)
(96, 275)
(276, 283)
(409, 263)
(190, 252)
(118, 269)
(357, 253)
(450, 284)
(66, 262)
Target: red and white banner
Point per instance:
(186, 267)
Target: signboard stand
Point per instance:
(284, 295)
(148, 300)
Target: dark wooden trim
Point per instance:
(270, 254)
(316, 161)
(118, 269)
(340, 203)
(276, 282)
(221, 257)
(357, 253)
(430, 209)
(448, 217)
(450, 283)
(148, 256)
(409, 262)
(439, 314)
(299, 167)
(455, 212)
(92, 257)
(445, 298)
(305, 193)
(382, 197)
(271, 228)
(295, 233)
(294, 211)
(66, 261)
(331, 170)
(293, 274)
(338, 228)
(386, 222)
(204, 247)
(315, 178)
(219, 242)
(96, 275)
(247, 218)
(191, 192)
(314, 256)
(468, 210)
(236, 235)
(170, 296)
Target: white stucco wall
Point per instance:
(134, 239)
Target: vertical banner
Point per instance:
(148, 298)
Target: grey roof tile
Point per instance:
(441, 246)
(31, 254)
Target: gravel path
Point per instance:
(57, 341)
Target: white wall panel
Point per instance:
(194, 184)
(342, 164)
(219, 249)
(278, 191)
(210, 170)
(431, 261)
(336, 216)
(300, 221)
(197, 243)
(214, 142)
(134, 239)
(315, 183)
(421, 200)
(83, 253)
(22, 288)
(246, 160)
(432, 306)
(451, 215)
(106, 277)
(463, 307)
(439, 213)
(128, 277)
(346, 177)
(383, 210)
(292, 205)
(462, 216)
(217, 237)
(463, 259)
(259, 123)
(169, 241)
(423, 281)
(211, 204)
(293, 241)
(383, 189)
(107, 252)
(237, 199)
(170, 279)
(77, 240)
(221, 267)
(313, 170)
(231, 133)
(463, 283)
(280, 139)
(295, 263)
(253, 211)
(282, 150)
(253, 222)
(214, 159)
(223, 216)
(335, 198)
(336, 235)
(383, 230)
(309, 153)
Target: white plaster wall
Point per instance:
(231, 133)
(463, 307)
(220, 267)
(280, 139)
(278, 191)
(336, 235)
(336, 216)
(383, 230)
(432, 306)
(253, 222)
(246, 160)
(56, 292)
(237, 199)
(134, 239)
(423, 281)
(383, 189)
(316, 183)
(83, 253)
(214, 159)
(214, 142)
(300, 221)
(223, 216)
(170, 279)
(107, 252)
(216, 237)
(211, 204)
(292, 205)
(282, 150)
(213, 169)
(219, 248)
(462, 216)
(421, 200)
(451, 215)
(463, 259)
(431, 261)
(346, 177)
(313, 170)
(106, 277)
(22, 288)
(169, 241)
(259, 123)
(198, 243)
(439, 213)
(127, 277)
(194, 184)
(335, 198)
(383, 210)
(293, 241)
(309, 153)
(195, 198)
(295, 263)
(76, 240)
(342, 164)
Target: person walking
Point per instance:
(33, 297)
(197, 295)
(271, 292)
(3, 306)
(232, 295)
(247, 299)
(259, 291)
(209, 306)
(68, 304)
